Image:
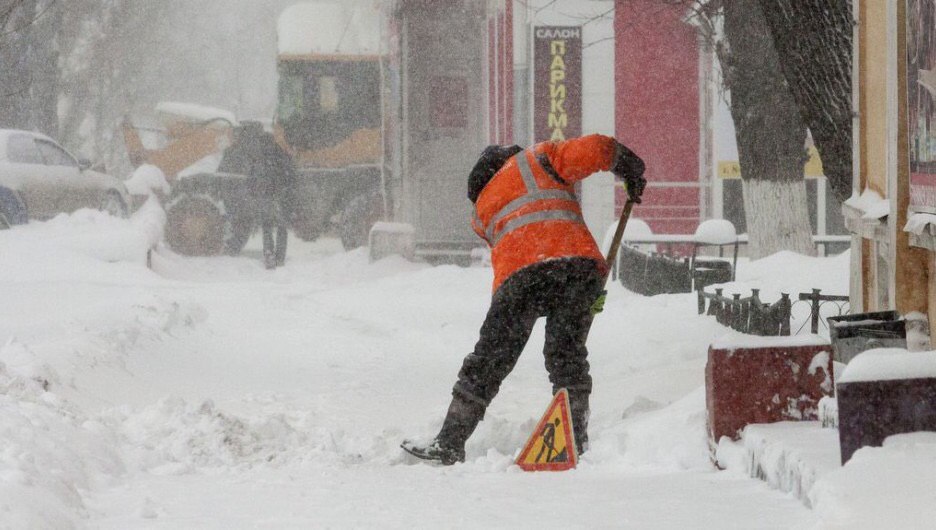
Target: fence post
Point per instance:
(701, 294)
(785, 310)
(719, 311)
(814, 308)
(755, 314)
(737, 313)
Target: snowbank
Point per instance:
(49, 450)
(789, 456)
(146, 180)
(881, 487)
(73, 246)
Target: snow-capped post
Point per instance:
(884, 392)
(386, 239)
(751, 379)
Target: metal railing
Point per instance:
(748, 315)
(753, 316)
(817, 301)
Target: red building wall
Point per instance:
(657, 108)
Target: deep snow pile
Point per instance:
(882, 487)
(129, 394)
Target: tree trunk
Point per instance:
(777, 226)
(770, 133)
(15, 73)
(813, 39)
(44, 56)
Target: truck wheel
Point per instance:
(195, 224)
(357, 218)
(198, 224)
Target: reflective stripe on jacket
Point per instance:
(528, 212)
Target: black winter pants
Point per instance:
(273, 216)
(563, 291)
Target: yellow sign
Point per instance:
(731, 169)
(813, 168)
(551, 447)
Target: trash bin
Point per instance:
(853, 334)
(710, 271)
(654, 274)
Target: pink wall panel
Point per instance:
(657, 99)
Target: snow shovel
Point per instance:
(619, 233)
(613, 251)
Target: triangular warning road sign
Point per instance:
(551, 447)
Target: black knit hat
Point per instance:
(492, 159)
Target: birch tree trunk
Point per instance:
(770, 133)
(814, 41)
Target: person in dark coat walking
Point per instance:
(255, 153)
(546, 264)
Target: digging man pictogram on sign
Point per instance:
(549, 444)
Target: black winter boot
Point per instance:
(578, 405)
(448, 447)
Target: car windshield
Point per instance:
(55, 155)
(21, 149)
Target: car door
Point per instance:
(30, 176)
(69, 193)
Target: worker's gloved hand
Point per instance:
(629, 168)
(598, 305)
(635, 188)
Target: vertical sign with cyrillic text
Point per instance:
(557, 82)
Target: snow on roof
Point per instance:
(330, 28)
(883, 364)
(870, 203)
(193, 112)
(716, 232)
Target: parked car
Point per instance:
(41, 179)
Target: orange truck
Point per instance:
(207, 213)
(382, 108)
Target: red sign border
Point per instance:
(561, 400)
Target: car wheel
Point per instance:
(114, 205)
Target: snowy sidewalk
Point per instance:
(211, 393)
(880, 487)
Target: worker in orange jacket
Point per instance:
(546, 263)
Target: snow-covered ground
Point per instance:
(211, 393)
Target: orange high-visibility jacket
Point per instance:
(528, 212)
